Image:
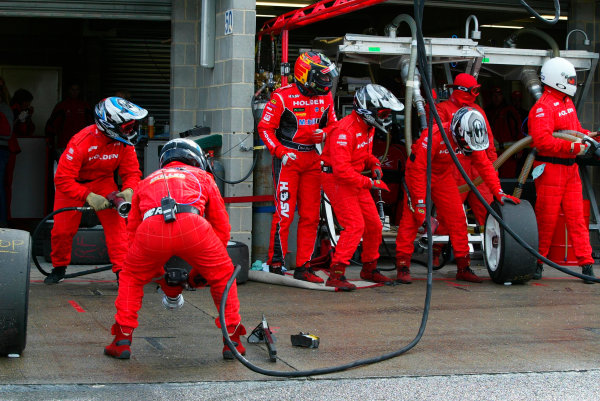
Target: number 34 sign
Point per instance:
(228, 22)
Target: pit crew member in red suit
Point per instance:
(469, 137)
(290, 127)
(348, 152)
(466, 90)
(85, 173)
(197, 232)
(557, 182)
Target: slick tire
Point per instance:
(506, 260)
(15, 263)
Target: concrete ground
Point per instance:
(539, 340)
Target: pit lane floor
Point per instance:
(540, 340)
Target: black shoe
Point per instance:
(56, 275)
(539, 268)
(276, 268)
(588, 270)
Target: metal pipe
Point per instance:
(207, 34)
(586, 41)
(529, 78)
(511, 40)
(476, 34)
(409, 81)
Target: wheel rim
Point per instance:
(493, 243)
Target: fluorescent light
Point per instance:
(551, 17)
(266, 15)
(501, 26)
(276, 4)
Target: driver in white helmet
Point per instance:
(86, 172)
(557, 182)
(468, 136)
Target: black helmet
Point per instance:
(314, 73)
(469, 130)
(118, 119)
(374, 104)
(185, 151)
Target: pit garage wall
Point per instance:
(585, 15)
(218, 97)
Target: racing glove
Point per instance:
(378, 184)
(97, 202)
(419, 213)
(285, 154)
(126, 194)
(376, 171)
(501, 197)
(318, 136)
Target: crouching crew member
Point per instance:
(557, 181)
(470, 138)
(348, 152)
(85, 173)
(176, 211)
(290, 127)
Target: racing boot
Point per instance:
(56, 275)
(539, 268)
(588, 270)
(464, 271)
(119, 348)
(402, 267)
(337, 278)
(370, 272)
(234, 335)
(276, 268)
(305, 273)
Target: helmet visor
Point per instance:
(572, 80)
(383, 113)
(128, 127)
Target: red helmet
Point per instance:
(314, 73)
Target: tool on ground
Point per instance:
(305, 340)
(262, 333)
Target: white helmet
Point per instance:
(469, 130)
(118, 119)
(374, 104)
(559, 74)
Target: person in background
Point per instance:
(6, 123)
(469, 138)
(23, 126)
(556, 175)
(506, 123)
(348, 152)
(197, 232)
(68, 117)
(85, 173)
(290, 126)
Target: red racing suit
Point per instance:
(199, 239)
(88, 165)
(287, 125)
(446, 110)
(347, 152)
(559, 185)
(444, 192)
